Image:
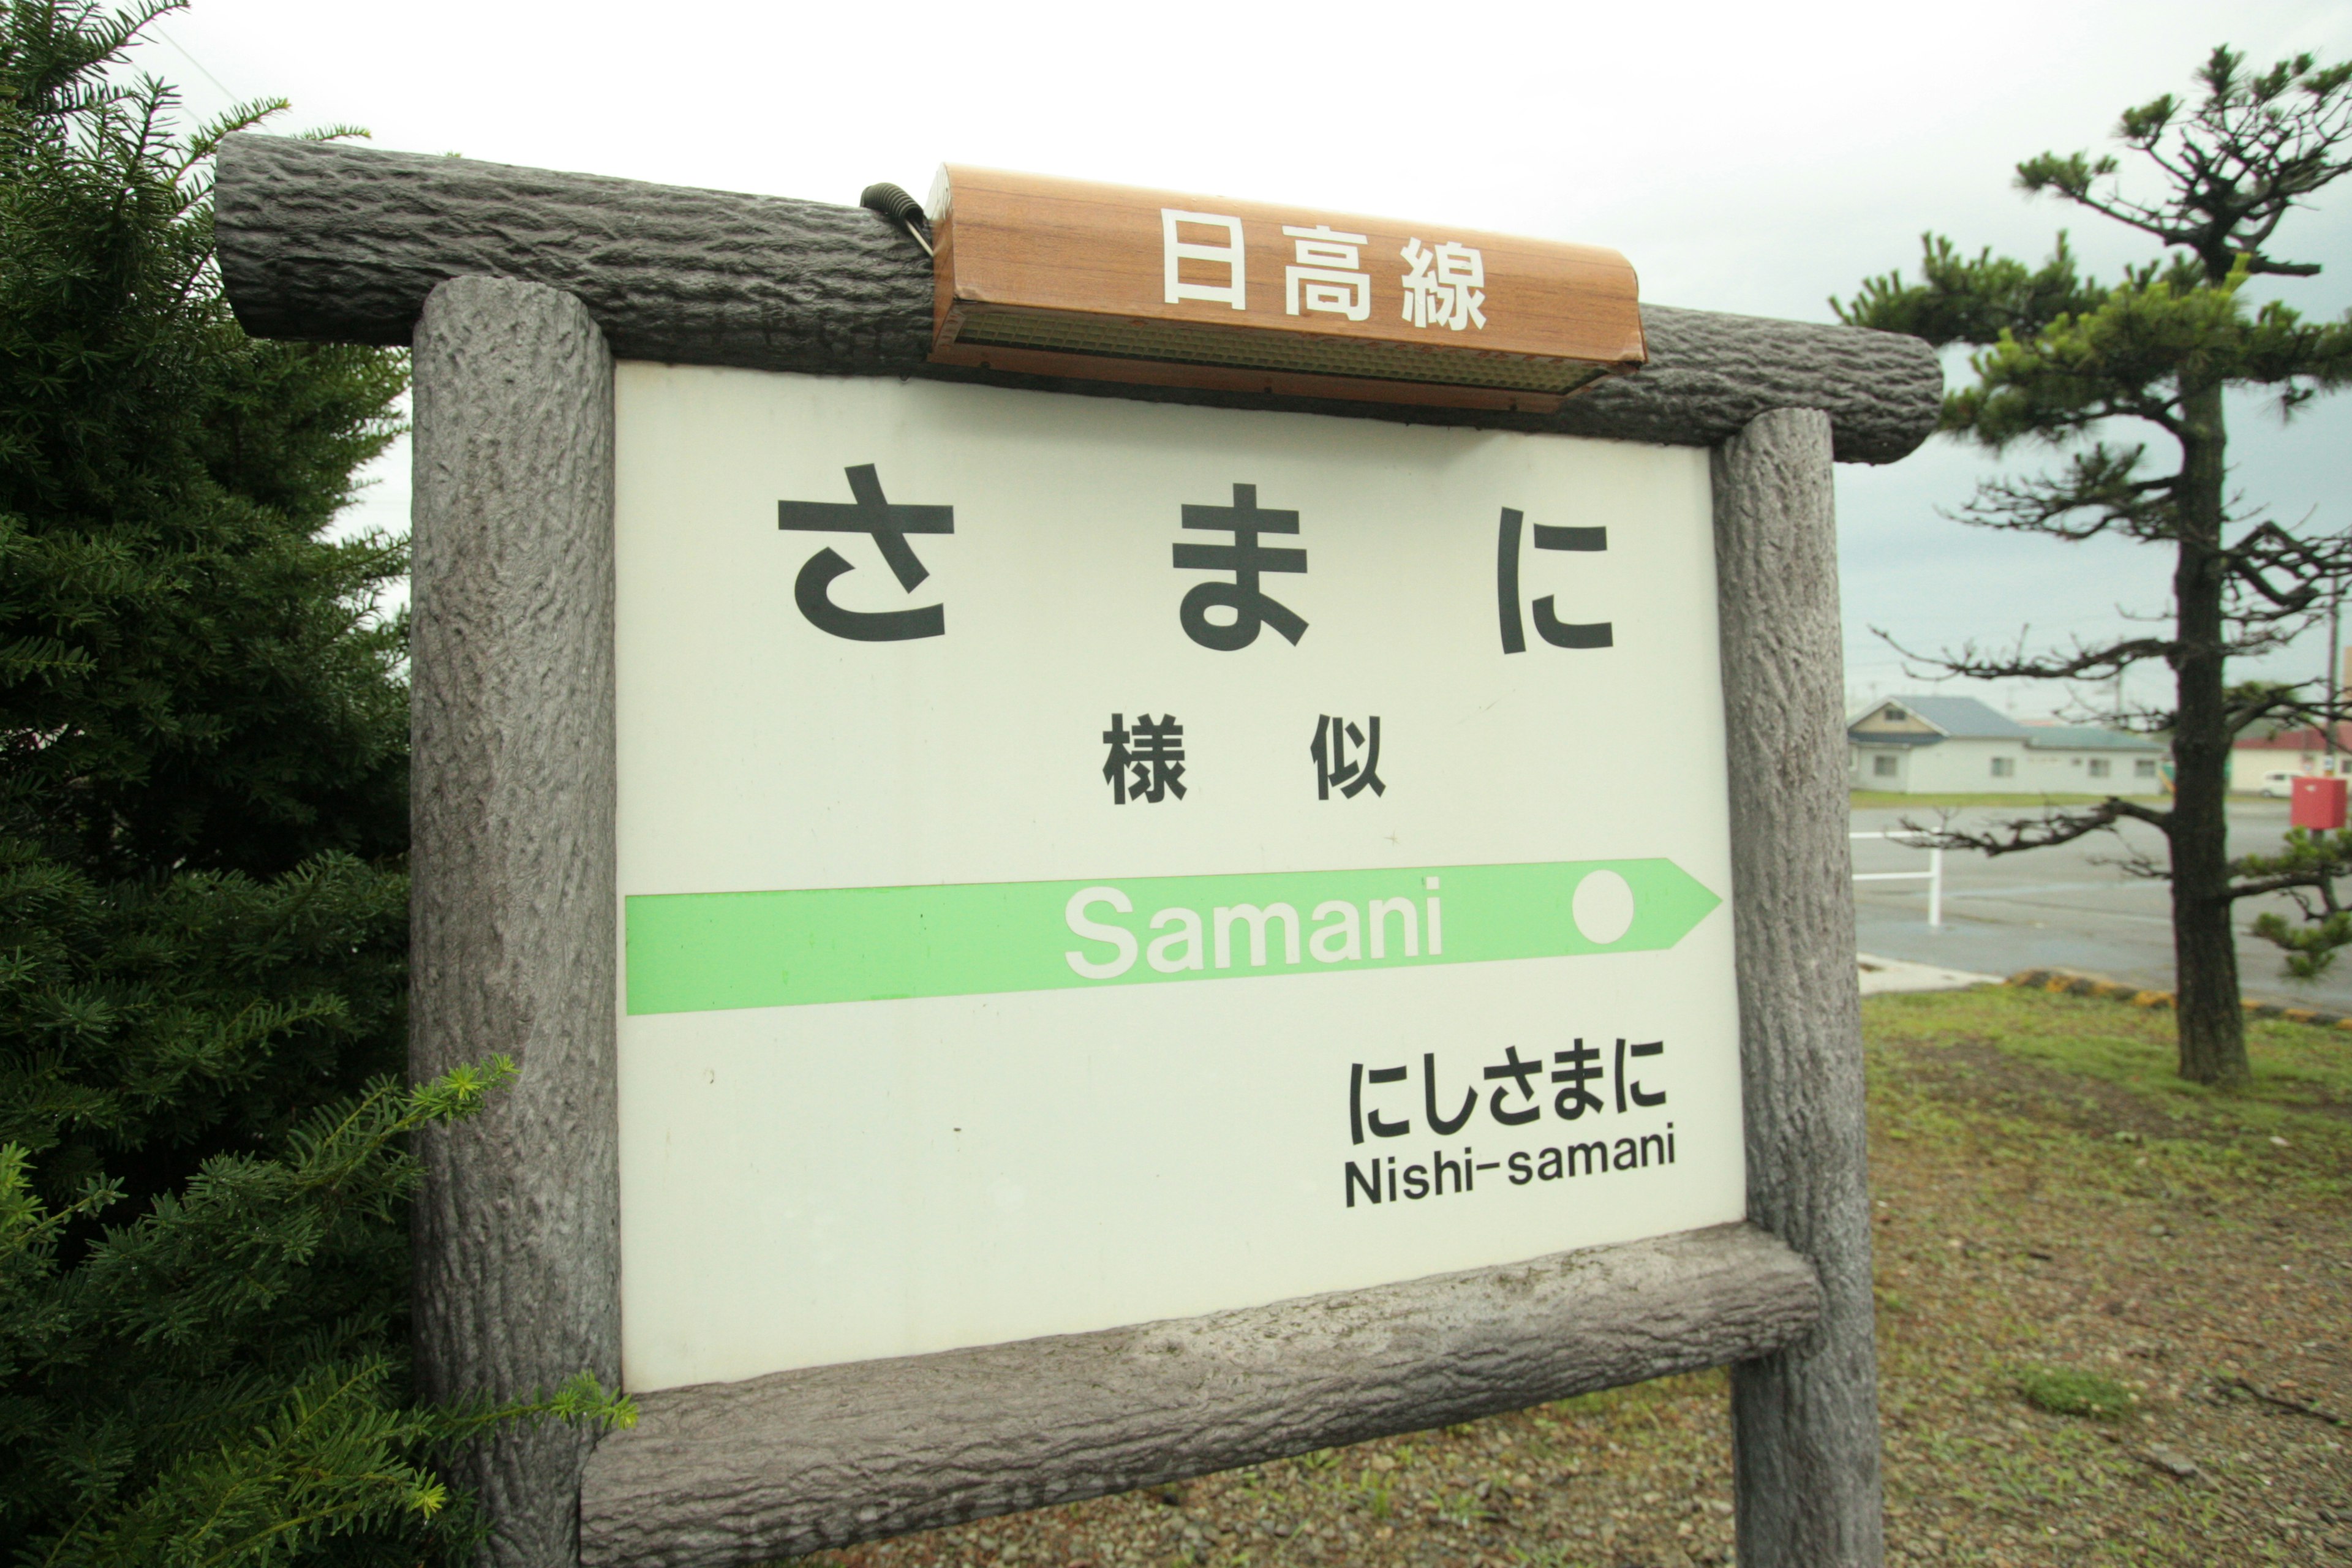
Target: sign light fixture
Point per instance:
(1056, 277)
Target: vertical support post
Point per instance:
(1934, 888)
(1805, 1419)
(518, 1250)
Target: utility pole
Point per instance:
(2334, 616)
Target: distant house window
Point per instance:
(1881, 766)
(2004, 767)
(2144, 768)
(2099, 767)
(1894, 714)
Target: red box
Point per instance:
(2317, 803)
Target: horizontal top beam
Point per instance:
(332, 243)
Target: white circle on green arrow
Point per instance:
(1604, 908)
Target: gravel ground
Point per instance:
(2047, 1198)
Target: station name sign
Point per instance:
(1137, 861)
(1066, 278)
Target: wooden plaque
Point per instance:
(1065, 278)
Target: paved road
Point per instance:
(2068, 908)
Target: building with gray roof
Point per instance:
(1957, 745)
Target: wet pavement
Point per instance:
(2068, 908)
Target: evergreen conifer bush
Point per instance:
(202, 894)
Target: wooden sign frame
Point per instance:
(517, 299)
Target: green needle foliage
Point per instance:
(2100, 371)
(203, 891)
(2306, 868)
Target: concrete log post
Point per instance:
(518, 1228)
(1804, 1418)
(727, 1474)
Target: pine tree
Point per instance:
(2071, 362)
(202, 898)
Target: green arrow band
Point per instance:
(694, 952)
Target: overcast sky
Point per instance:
(1747, 157)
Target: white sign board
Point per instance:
(1085, 862)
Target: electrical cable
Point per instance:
(900, 208)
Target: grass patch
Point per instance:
(2063, 1391)
(2075, 1077)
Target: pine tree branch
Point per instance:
(2314, 568)
(2254, 702)
(2238, 164)
(2086, 663)
(1972, 299)
(2284, 881)
(2053, 828)
(2307, 866)
(2100, 486)
(2147, 220)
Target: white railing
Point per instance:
(1933, 876)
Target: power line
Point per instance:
(192, 59)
